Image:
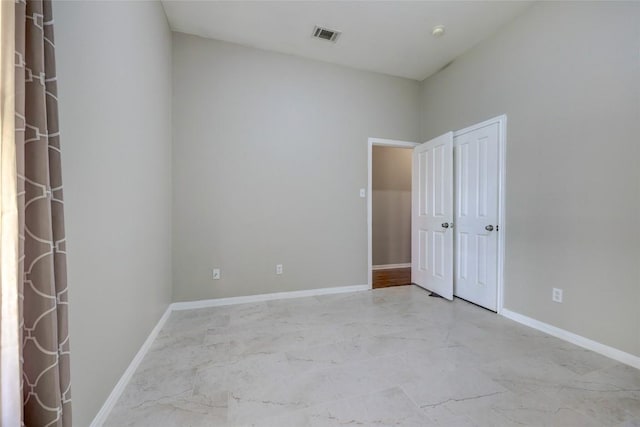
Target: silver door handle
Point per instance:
(489, 228)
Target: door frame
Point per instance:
(370, 143)
(502, 178)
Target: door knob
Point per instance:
(489, 228)
(445, 225)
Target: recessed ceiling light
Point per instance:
(437, 31)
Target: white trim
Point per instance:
(502, 218)
(188, 305)
(115, 394)
(605, 350)
(502, 180)
(476, 126)
(370, 143)
(390, 266)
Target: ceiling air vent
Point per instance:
(326, 34)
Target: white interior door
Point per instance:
(432, 216)
(476, 219)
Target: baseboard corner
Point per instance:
(117, 391)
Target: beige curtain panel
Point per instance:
(40, 283)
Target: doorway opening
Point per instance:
(457, 213)
(389, 212)
(391, 216)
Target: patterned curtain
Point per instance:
(43, 277)
(10, 371)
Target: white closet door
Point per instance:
(476, 219)
(432, 215)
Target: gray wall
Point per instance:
(114, 67)
(391, 205)
(571, 90)
(269, 154)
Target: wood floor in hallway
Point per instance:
(391, 277)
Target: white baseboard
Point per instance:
(605, 350)
(189, 305)
(390, 266)
(111, 401)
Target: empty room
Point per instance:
(320, 213)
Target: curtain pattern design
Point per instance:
(10, 367)
(43, 285)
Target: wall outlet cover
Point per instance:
(556, 295)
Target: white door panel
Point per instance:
(476, 189)
(432, 213)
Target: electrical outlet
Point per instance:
(556, 295)
(279, 269)
(216, 273)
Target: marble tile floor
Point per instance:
(387, 357)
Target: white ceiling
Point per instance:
(390, 37)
